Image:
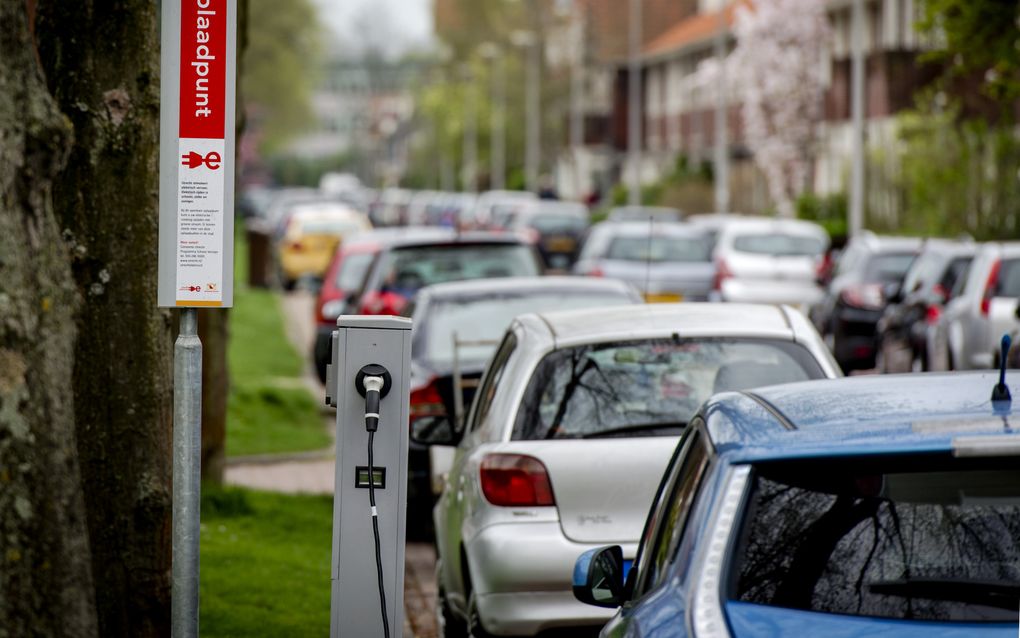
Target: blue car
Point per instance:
(869, 506)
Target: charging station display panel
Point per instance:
(196, 198)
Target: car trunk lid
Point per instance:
(603, 487)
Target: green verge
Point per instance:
(269, 410)
(265, 563)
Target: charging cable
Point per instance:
(373, 383)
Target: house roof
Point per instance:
(693, 30)
(606, 23)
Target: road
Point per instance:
(314, 473)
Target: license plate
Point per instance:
(658, 297)
(560, 244)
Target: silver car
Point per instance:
(572, 426)
(967, 334)
(769, 261)
(667, 261)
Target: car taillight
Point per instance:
(515, 480)
(931, 315)
(722, 273)
(866, 296)
(595, 272)
(426, 401)
(990, 285)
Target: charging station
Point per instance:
(368, 383)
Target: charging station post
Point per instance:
(368, 381)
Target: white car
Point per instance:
(575, 420)
(769, 261)
(982, 309)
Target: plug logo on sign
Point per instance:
(194, 160)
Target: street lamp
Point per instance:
(491, 53)
(470, 168)
(634, 103)
(856, 221)
(532, 153)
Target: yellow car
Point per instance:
(311, 236)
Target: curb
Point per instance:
(274, 459)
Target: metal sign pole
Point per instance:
(187, 475)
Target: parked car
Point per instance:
(769, 261)
(409, 262)
(668, 261)
(906, 329)
(645, 214)
(856, 296)
(311, 234)
(482, 214)
(572, 426)
(344, 278)
(555, 228)
(713, 223)
(871, 506)
(968, 332)
(457, 327)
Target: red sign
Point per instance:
(203, 68)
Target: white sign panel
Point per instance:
(196, 153)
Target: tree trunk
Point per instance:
(45, 572)
(102, 62)
(213, 330)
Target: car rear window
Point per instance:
(1009, 279)
(557, 223)
(409, 268)
(659, 249)
(922, 538)
(352, 271)
(888, 268)
(779, 244)
(485, 319)
(650, 386)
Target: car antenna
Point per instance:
(1001, 392)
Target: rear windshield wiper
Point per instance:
(636, 427)
(999, 594)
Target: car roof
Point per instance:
(472, 287)
(663, 320)
(873, 414)
(886, 243)
(773, 224)
(641, 228)
(429, 235)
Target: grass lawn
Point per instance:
(265, 563)
(268, 410)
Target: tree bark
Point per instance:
(45, 572)
(102, 62)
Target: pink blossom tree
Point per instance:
(778, 72)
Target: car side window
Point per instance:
(487, 391)
(672, 512)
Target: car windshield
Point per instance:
(652, 385)
(410, 268)
(659, 249)
(923, 538)
(779, 244)
(888, 268)
(485, 319)
(352, 271)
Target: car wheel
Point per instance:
(449, 624)
(474, 624)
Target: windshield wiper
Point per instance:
(635, 427)
(990, 593)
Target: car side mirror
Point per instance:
(434, 430)
(599, 578)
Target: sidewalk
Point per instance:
(314, 473)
